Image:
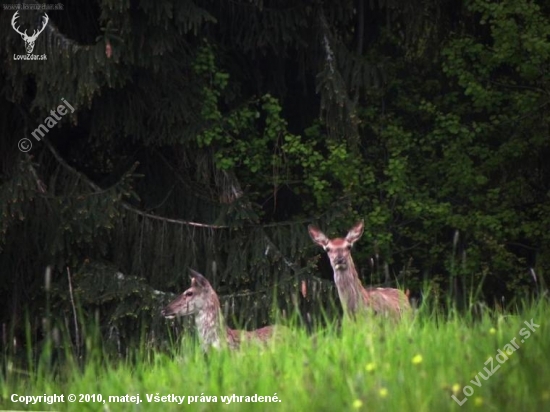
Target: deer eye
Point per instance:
(348, 247)
(327, 249)
(189, 293)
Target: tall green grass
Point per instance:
(416, 365)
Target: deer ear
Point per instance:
(198, 280)
(355, 232)
(317, 236)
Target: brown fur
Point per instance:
(202, 301)
(354, 297)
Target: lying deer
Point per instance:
(202, 301)
(354, 297)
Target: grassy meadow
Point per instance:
(365, 366)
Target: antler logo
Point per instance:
(29, 40)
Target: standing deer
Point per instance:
(354, 297)
(202, 301)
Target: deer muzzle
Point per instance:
(340, 263)
(168, 313)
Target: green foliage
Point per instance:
(427, 119)
(500, 125)
(465, 150)
(15, 196)
(254, 139)
(236, 136)
(404, 367)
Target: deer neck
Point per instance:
(210, 325)
(350, 289)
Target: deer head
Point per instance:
(193, 300)
(29, 40)
(338, 249)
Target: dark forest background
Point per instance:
(208, 134)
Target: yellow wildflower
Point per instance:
(383, 392)
(417, 359)
(478, 401)
(456, 388)
(492, 331)
(357, 403)
(371, 366)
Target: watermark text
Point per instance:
(492, 366)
